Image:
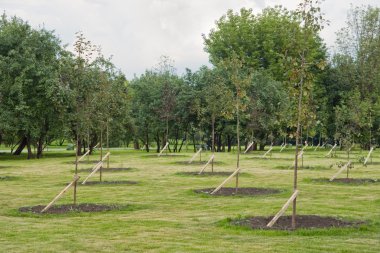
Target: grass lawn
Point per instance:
(165, 215)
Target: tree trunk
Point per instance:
(213, 141)
(79, 147)
(147, 140)
(29, 147)
(195, 148)
(229, 143)
(21, 146)
(238, 140)
(136, 144)
(158, 142)
(40, 147)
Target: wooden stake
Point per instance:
(98, 166)
(204, 167)
(340, 171)
(331, 150)
(83, 156)
(192, 158)
(270, 149)
(283, 147)
(166, 145)
(316, 147)
(283, 209)
(368, 156)
(249, 146)
(76, 177)
(225, 181)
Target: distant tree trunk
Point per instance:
(157, 139)
(229, 143)
(147, 140)
(219, 143)
(262, 146)
(180, 147)
(29, 147)
(40, 147)
(136, 144)
(176, 140)
(21, 146)
(195, 148)
(254, 146)
(79, 147)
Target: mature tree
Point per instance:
(30, 92)
(357, 65)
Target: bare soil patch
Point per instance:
(206, 173)
(107, 170)
(196, 162)
(60, 209)
(169, 155)
(308, 167)
(108, 182)
(302, 221)
(242, 191)
(347, 180)
(7, 178)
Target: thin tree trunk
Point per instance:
(238, 140)
(21, 146)
(213, 141)
(29, 147)
(294, 214)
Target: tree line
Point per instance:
(49, 94)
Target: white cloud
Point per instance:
(137, 33)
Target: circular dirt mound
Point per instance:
(7, 178)
(347, 180)
(196, 163)
(246, 191)
(302, 168)
(205, 174)
(108, 182)
(71, 208)
(106, 170)
(302, 221)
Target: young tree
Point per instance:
(219, 101)
(300, 74)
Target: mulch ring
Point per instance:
(347, 180)
(197, 163)
(302, 221)
(83, 162)
(108, 182)
(308, 167)
(60, 209)
(7, 178)
(163, 155)
(107, 170)
(206, 173)
(242, 191)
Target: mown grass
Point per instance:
(165, 215)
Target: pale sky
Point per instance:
(137, 32)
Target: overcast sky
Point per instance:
(137, 32)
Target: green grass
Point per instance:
(165, 215)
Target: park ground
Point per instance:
(162, 213)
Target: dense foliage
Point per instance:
(50, 94)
